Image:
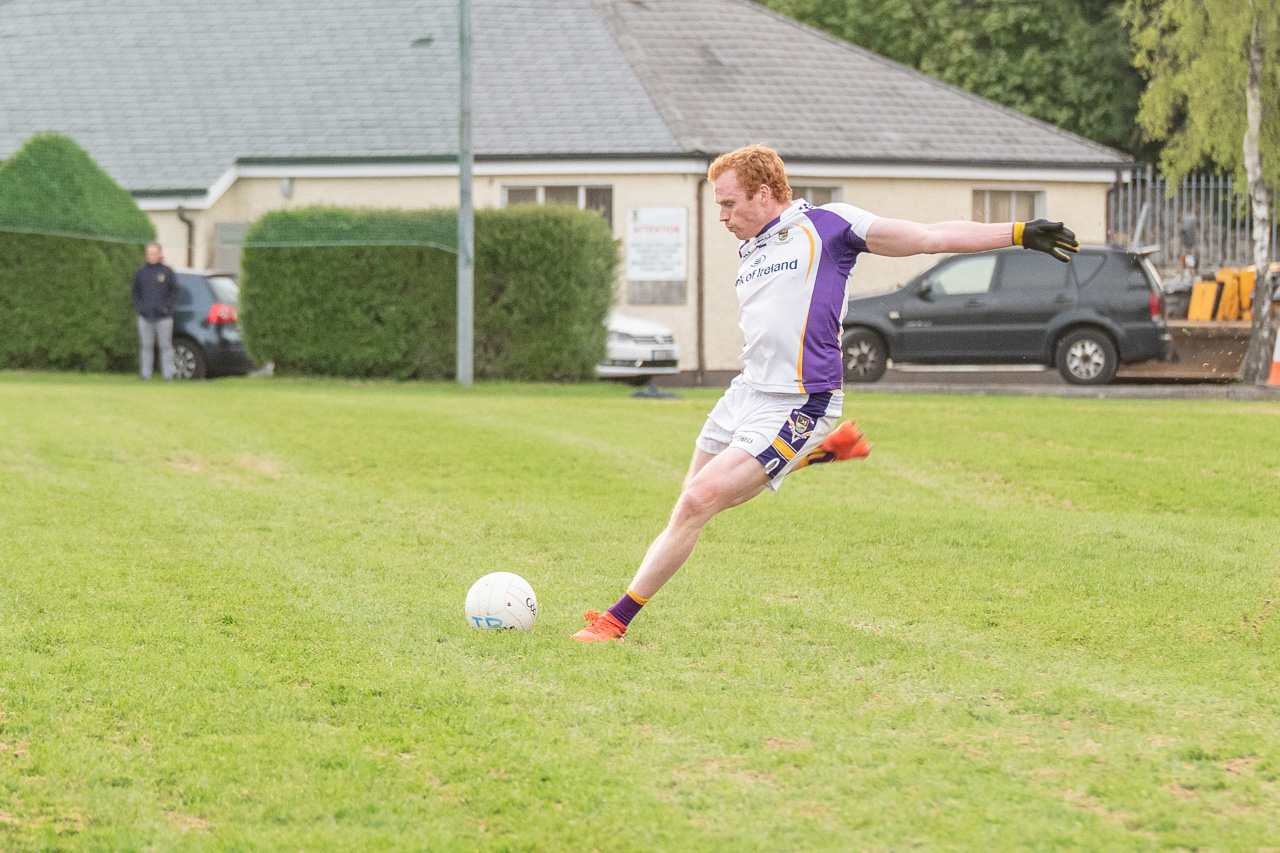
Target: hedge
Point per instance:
(65, 299)
(315, 304)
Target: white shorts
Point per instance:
(777, 429)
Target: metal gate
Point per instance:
(1204, 218)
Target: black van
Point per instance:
(1015, 306)
(206, 327)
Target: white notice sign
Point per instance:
(657, 243)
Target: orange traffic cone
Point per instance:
(1274, 378)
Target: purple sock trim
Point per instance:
(626, 609)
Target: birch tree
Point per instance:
(1213, 97)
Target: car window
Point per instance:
(1032, 272)
(1153, 275)
(224, 289)
(187, 285)
(1136, 277)
(1086, 265)
(964, 276)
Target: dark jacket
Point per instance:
(155, 291)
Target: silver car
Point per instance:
(637, 349)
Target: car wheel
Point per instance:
(865, 356)
(1087, 357)
(188, 360)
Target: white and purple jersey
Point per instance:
(792, 294)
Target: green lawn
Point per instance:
(231, 619)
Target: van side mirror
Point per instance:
(924, 288)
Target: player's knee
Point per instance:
(697, 504)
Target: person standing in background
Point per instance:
(155, 293)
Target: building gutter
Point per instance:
(191, 236)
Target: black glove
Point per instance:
(1045, 236)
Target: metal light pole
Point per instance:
(466, 213)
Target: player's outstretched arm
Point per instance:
(900, 237)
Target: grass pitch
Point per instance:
(231, 619)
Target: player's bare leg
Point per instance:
(727, 480)
(713, 484)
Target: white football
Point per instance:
(501, 601)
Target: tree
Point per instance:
(1056, 60)
(1214, 81)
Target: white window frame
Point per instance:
(1038, 205)
(837, 191)
(541, 190)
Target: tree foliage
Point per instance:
(1214, 85)
(1194, 54)
(1065, 62)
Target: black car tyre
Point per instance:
(865, 356)
(188, 359)
(1087, 357)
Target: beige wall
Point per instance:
(1081, 205)
(250, 198)
(171, 234)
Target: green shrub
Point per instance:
(65, 299)
(543, 285)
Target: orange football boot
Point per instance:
(845, 442)
(600, 626)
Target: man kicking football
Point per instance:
(780, 413)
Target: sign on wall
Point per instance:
(657, 243)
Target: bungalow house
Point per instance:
(213, 113)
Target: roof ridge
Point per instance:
(884, 60)
(633, 54)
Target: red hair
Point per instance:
(754, 165)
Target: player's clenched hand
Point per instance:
(1045, 236)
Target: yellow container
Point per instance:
(1204, 297)
(1247, 276)
(1229, 301)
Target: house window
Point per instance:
(1007, 205)
(521, 195)
(599, 199)
(816, 196)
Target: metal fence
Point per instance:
(1203, 217)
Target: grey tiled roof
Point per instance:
(729, 72)
(169, 94)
